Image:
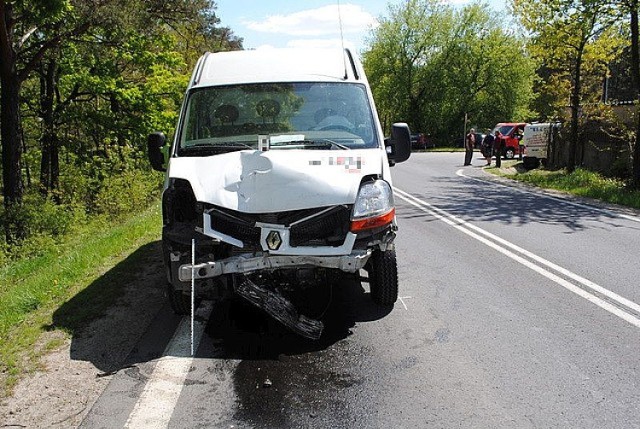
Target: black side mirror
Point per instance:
(399, 145)
(155, 142)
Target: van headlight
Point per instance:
(374, 206)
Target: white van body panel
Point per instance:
(536, 140)
(292, 65)
(278, 180)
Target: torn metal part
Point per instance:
(246, 264)
(280, 309)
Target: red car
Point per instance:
(512, 133)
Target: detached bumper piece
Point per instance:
(246, 264)
(280, 309)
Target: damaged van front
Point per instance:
(277, 180)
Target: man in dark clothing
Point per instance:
(469, 143)
(487, 146)
(498, 148)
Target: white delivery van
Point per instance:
(537, 138)
(279, 176)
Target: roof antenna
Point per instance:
(344, 59)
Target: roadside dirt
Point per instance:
(72, 377)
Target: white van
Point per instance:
(536, 140)
(279, 175)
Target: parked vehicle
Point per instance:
(418, 141)
(536, 140)
(512, 133)
(277, 180)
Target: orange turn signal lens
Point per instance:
(373, 222)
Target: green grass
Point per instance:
(581, 183)
(33, 289)
(442, 149)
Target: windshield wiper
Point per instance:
(312, 143)
(214, 147)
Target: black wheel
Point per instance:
(530, 163)
(509, 153)
(383, 277)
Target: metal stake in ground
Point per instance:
(193, 287)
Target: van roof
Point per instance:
(276, 65)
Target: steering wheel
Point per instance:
(335, 127)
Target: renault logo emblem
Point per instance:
(273, 240)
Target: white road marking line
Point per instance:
(402, 298)
(571, 203)
(160, 395)
(468, 229)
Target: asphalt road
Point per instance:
(517, 309)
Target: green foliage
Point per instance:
(583, 183)
(429, 64)
(126, 193)
(112, 72)
(573, 42)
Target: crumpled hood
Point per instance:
(278, 180)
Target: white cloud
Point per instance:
(317, 22)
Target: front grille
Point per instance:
(324, 226)
(235, 227)
(327, 229)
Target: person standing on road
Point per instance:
(469, 143)
(498, 147)
(487, 146)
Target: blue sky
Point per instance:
(306, 23)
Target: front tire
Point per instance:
(383, 277)
(509, 153)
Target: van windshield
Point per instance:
(505, 130)
(286, 115)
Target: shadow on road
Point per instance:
(475, 200)
(254, 335)
(123, 318)
(108, 317)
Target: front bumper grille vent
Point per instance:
(325, 226)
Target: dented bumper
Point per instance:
(243, 264)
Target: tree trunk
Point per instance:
(46, 112)
(635, 74)
(11, 154)
(575, 109)
(49, 141)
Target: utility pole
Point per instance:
(464, 133)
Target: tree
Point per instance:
(429, 64)
(631, 7)
(130, 56)
(24, 41)
(571, 39)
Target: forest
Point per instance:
(82, 85)
(83, 82)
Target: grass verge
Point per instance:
(582, 183)
(32, 289)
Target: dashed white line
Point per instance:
(503, 247)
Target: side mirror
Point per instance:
(155, 143)
(399, 145)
